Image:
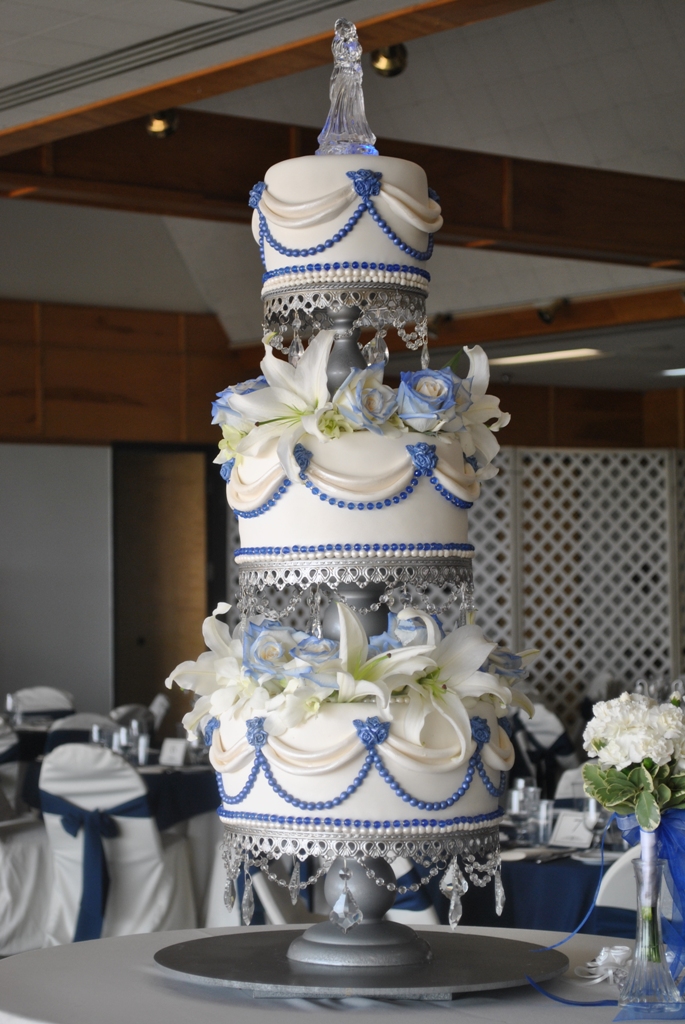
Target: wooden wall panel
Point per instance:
(18, 414)
(160, 572)
(663, 417)
(94, 328)
(594, 418)
(111, 396)
(17, 326)
(89, 374)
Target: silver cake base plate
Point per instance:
(257, 960)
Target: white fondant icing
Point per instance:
(314, 195)
(356, 467)
(318, 760)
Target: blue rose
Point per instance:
(425, 400)
(267, 647)
(382, 643)
(365, 401)
(223, 411)
(316, 651)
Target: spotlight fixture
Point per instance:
(389, 60)
(548, 313)
(162, 124)
(677, 372)
(548, 357)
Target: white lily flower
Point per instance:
(361, 676)
(300, 700)
(478, 414)
(292, 405)
(215, 667)
(455, 682)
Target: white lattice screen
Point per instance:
(593, 561)
(577, 554)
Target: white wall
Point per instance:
(56, 570)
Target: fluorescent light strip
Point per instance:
(678, 372)
(548, 357)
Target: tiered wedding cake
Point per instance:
(367, 727)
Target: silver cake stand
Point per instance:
(257, 960)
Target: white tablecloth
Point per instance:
(113, 980)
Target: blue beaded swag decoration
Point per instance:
(367, 183)
(373, 733)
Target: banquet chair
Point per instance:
(9, 763)
(568, 784)
(41, 702)
(413, 908)
(617, 898)
(25, 885)
(76, 729)
(114, 873)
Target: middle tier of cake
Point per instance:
(360, 495)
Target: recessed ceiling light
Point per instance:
(678, 372)
(163, 124)
(548, 357)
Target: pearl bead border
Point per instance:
(285, 281)
(296, 552)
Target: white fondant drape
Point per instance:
(424, 216)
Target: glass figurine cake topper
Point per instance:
(346, 129)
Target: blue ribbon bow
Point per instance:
(670, 844)
(95, 824)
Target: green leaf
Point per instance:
(624, 809)
(641, 779)
(663, 794)
(677, 802)
(676, 783)
(663, 772)
(594, 779)
(647, 812)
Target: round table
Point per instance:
(115, 980)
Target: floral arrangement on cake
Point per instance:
(284, 675)
(288, 402)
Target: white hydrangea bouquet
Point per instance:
(637, 771)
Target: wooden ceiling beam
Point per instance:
(412, 22)
(207, 168)
(584, 313)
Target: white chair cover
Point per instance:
(83, 720)
(568, 784)
(25, 886)
(421, 915)
(150, 881)
(9, 770)
(618, 887)
(39, 699)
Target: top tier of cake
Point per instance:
(324, 221)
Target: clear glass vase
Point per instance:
(648, 984)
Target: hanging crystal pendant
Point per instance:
(447, 881)
(376, 350)
(425, 358)
(500, 898)
(346, 913)
(294, 884)
(229, 895)
(454, 885)
(455, 911)
(247, 907)
(296, 349)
